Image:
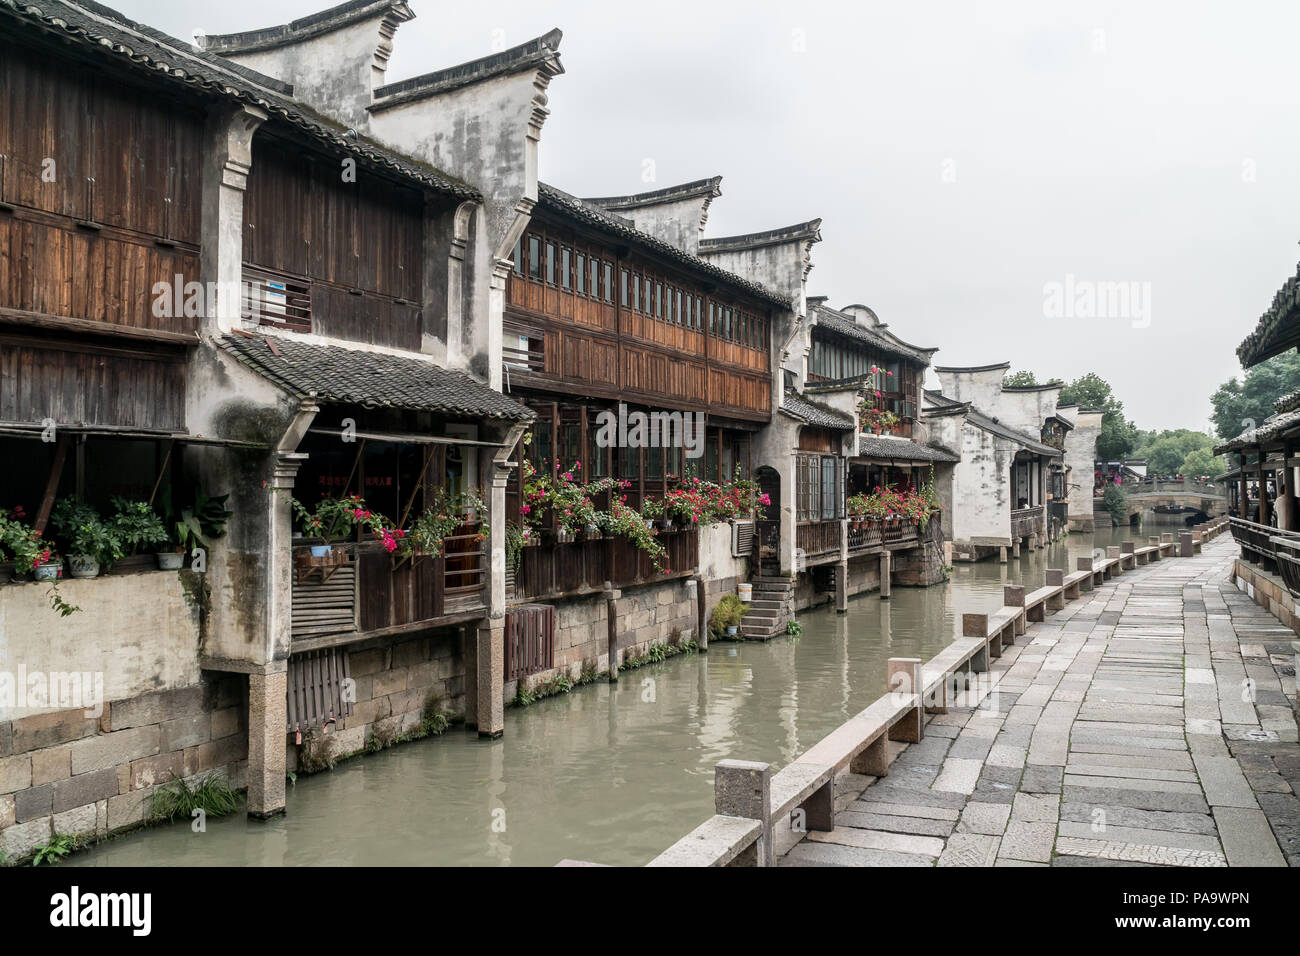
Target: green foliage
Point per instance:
(136, 525)
(728, 612)
(210, 793)
(197, 526)
(794, 629)
(1118, 435)
(1166, 451)
(1025, 377)
(1202, 461)
(1239, 405)
(1116, 503)
(57, 849)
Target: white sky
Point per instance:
(1109, 141)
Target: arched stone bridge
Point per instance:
(1173, 498)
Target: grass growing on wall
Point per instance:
(210, 793)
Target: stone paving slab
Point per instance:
(1147, 724)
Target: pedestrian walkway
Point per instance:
(1148, 723)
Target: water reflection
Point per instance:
(610, 773)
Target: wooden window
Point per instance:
(829, 484)
(679, 308)
(580, 275)
(659, 300)
(593, 286)
(550, 263)
(711, 324)
(697, 313)
(729, 333)
(623, 294)
(519, 256)
(645, 296)
(565, 265)
(636, 293)
(534, 257)
(609, 283)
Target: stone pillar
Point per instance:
(227, 159)
(1002, 555)
(467, 637)
(611, 618)
(886, 572)
(1015, 547)
(267, 701)
(490, 675)
(903, 677)
(1084, 564)
(701, 615)
(1186, 548)
(743, 788)
(1013, 595)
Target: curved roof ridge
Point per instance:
(697, 187)
(972, 368)
(539, 51)
(809, 231)
(315, 24)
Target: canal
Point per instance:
(607, 773)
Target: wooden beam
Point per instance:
(52, 482)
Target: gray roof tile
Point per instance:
(374, 380)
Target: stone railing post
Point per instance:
(743, 788)
(1084, 564)
(903, 677)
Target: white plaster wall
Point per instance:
(676, 223)
(716, 562)
(980, 388)
(981, 494)
(139, 632)
(1080, 458)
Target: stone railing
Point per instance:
(753, 804)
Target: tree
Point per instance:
(1202, 461)
(1245, 404)
(1118, 435)
(1165, 452)
(1025, 377)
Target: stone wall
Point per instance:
(67, 772)
(135, 633)
(1267, 591)
(660, 613)
(394, 684)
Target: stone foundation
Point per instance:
(661, 613)
(64, 772)
(1267, 591)
(919, 567)
(394, 684)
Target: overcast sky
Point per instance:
(961, 156)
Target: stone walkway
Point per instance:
(1148, 723)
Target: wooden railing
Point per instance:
(818, 537)
(361, 588)
(1026, 521)
(1259, 542)
(555, 568)
(865, 535)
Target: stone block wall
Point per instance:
(658, 613)
(1268, 592)
(394, 684)
(66, 772)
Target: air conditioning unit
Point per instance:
(742, 539)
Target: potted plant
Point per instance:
(91, 544)
(193, 527)
(725, 618)
(137, 525)
(49, 568)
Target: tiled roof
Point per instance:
(982, 421)
(835, 321)
(798, 407)
(538, 53)
(1287, 403)
(1272, 428)
(560, 201)
(1278, 328)
(900, 449)
(102, 29)
(371, 379)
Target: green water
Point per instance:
(608, 773)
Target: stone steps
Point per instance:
(770, 610)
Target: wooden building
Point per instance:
(212, 285)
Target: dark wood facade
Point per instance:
(588, 315)
(835, 358)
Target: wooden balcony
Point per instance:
(362, 589)
(557, 569)
(876, 535)
(1026, 521)
(818, 539)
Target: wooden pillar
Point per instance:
(1263, 490)
(1243, 495)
